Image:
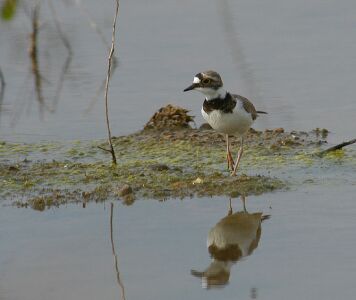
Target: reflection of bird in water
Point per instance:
(235, 236)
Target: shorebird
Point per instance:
(227, 113)
(232, 239)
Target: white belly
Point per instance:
(235, 123)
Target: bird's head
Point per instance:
(209, 83)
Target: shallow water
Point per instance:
(294, 59)
(305, 250)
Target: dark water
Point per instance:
(305, 250)
(294, 59)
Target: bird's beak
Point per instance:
(191, 87)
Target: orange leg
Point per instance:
(230, 160)
(239, 155)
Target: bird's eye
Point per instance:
(206, 80)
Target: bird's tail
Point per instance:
(265, 217)
(197, 273)
(261, 112)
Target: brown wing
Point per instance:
(247, 105)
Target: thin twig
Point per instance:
(235, 45)
(102, 37)
(59, 29)
(33, 52)
(2, 84)
(2, 89)
(68, 60)
(21, 98)
(118, 278)
(34, 56)
(2, 80)
(334, 148)
(92, 23)
(107, 84)
(104, 149)
(58, 91)
(100, 88)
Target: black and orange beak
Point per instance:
(191, 87)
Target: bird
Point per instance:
(229, 114)
(233, 238)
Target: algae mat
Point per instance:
(158, 164)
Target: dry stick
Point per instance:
(112, 151)
(20, 104)
(100, 88)
(92, 23)
(2, 85)
(2, 80)
(22, 96)
(68, 60)
(33, 52)
(121, 285)
(2, 89)
(100, 33)
(236, 47)
(34, 55)
(59, 29)
(95, 99)
(334, 148)
(60, 84)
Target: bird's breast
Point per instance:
(235, 123)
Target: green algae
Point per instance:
(155, 164)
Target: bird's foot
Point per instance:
(233, 173)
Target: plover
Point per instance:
(232, 239)
(227, 113)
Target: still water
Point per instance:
(294, 59)
(305, 250)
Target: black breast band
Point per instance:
(226, 104)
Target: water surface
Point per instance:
(294, 59)
(305, 250)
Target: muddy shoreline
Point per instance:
(153, 163)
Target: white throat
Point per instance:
(212, 93)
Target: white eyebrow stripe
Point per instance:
(196, 80)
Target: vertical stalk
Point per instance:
(2, 89)
(118, 278)
(112, 49)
